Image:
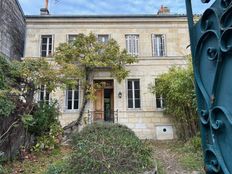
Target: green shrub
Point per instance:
(109, 148)
(177, 88)
(6, 106)
(194, 144)
(50, 140)
(2, 170)
(43, 118)
(59, 168)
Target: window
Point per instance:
(44, 95)
(46, 45)
(132, 44)
(72, 98)
(158, 45)
(103, 38)
(72, 38)
(159, 102)
(159, 98)
(133, 87)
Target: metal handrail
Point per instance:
(113, 116)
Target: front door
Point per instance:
(108, 105)
(99, 105)
(104, 103)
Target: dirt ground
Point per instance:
(168, 159)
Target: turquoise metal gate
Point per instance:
(211, 46)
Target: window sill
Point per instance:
(160, 109)
(70, 111)
(134, 109)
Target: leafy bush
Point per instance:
(6, 106)
(194, 144)
(50, 140)
(177, 89)
(43, 118)
(109, 148)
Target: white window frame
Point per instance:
(47, 44)
(159, 97)
(44, 94)
(161, 100)
(132, 44)
(73, 95)
(103, 35)
(68, 35)
(157, 50)
(133, 93)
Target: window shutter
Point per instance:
(163, 45)
(153, 43)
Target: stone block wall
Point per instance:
(12, 29)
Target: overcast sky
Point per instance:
(93, 7)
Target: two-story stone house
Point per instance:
(159, 42)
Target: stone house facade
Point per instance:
(12, 29)
(159, 41)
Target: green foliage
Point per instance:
(50, 140)
(34, 72)
(2, 170)
(27, 120)
(6, 106)
(109, 148)
(44, 117)
(194, 144)
(45, 125)
(177, 88)
(190, 153)
(87, 54)
(5, 72)
(58, 168)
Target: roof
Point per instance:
(103, 16)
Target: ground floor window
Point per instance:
(133, 89)
(159, 102)
(159, 98)
(44, 95)
(72, 98)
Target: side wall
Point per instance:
(12, 29)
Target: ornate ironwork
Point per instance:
(211, 47)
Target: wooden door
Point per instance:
(99, 105)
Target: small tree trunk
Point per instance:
(73, 126)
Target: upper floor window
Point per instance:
(133, 87)
(44, 95)
(158, 45)
(103, 38)
(46, 45)
(72, 98)
(132, 44)
(72, 38)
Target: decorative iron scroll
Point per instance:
(211, 47)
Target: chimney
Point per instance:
(163, 10)
(44, 11)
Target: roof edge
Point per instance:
(20, 9)
(104, 16)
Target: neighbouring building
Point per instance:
(12, 29)
(159, 41)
